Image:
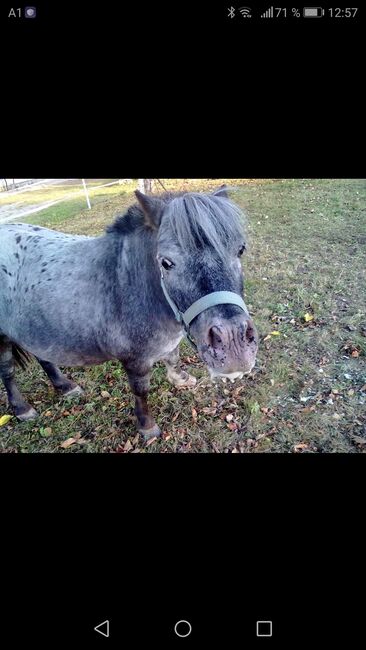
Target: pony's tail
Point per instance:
(21, 357)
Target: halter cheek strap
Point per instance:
(200, 305)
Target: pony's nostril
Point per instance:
(243, 329)
(214, 338)
(250, 332)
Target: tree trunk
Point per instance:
(145, 185)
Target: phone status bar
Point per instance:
(236, 13)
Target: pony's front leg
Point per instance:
(139, 381)
(178, 377)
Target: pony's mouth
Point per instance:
(232, 376)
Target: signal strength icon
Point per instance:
(246, 12)
(268, 13)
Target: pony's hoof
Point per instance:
(182, 379)
(187, 381)
(73, 392)
(150, 433)
(27, 415)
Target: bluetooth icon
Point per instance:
(231, 12)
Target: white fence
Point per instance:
(17, 203)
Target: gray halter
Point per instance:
(200, 305)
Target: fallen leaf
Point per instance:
(336, 416)
(235, 451)
(308, 409)
(67, 443)
(166, 436)
(251, 442)
(275, 333)
(300, 446)
(5, 419)
(292, 321)
(267, 337)
(105, 394)
(194, 415)
(70, 441)
(207, 410)
(66, 413)
(47, 414)
(232, 426)
(128, 446)
(351, 392)
(229, 417)
(308, 317)
(266, 434)
(355, 353)
(174, 418)
(190, 359)
(151, 440)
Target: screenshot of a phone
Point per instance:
(182, 358)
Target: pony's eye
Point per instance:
(166, 264)
(241, 250)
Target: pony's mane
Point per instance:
(195, 220)
(134, 218)
(199, 220)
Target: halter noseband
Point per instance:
(200, 305)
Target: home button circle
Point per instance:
(183, 629)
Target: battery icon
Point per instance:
(313, 12)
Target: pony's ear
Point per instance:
(222, 192)
(152, 208)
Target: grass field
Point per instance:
(305, 287)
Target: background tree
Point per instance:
(145, 185)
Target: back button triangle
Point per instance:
(103, 628)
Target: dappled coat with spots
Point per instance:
(74, 300)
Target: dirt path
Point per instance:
(17, 211)
(20, 209)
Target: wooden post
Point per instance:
(86, 194)
(145, 185)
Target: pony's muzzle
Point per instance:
(219, 336)
(230, 346)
